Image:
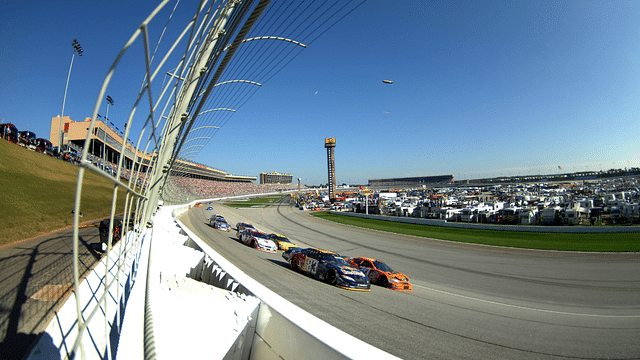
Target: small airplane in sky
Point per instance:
(387, 82)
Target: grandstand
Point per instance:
(199, 171)
(107, 141)
(188, 189)
(411, 182)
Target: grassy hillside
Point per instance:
(37, 193)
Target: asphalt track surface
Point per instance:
(468, 301)
(36, 278)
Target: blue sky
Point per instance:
(481, 88)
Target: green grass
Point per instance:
(258, 201)
(611, 242)
(38, 193)
(37, 196)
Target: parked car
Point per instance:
(9, 132)
(27, 139)
(44, 146)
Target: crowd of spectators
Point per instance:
(208, 189)
(72, 154)
(184, 188)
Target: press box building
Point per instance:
(275, 178)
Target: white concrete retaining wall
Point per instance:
(283, 330)
(189, 319)
(202, 306)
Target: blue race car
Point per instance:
(328, 267)
(219, 224)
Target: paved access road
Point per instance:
(468, 301)
(36, 277)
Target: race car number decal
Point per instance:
(311, 266)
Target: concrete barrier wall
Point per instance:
(524, 228)
(283, 330)
(213, 322)
(274, 329)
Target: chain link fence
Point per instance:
(196, 69)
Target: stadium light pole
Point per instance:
(76, 48)
(104, 143)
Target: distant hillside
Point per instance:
(38, 191)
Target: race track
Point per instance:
(468, 301)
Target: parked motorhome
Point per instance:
(551, 215)
(449, 214)
(572, 216)
(508, 216)
(468, 215)
(629, 211)
(528, 215)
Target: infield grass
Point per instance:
(606, 242)
(257, 201)
(38, 193)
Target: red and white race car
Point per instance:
(258, 239)
(241, 226)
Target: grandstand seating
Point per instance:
(208, 189)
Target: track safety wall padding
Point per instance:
(283, 330)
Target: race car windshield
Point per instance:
(384, 267)
(260, 235)
(330, 258)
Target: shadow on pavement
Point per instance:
(36, 279)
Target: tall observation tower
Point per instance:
(330, 143)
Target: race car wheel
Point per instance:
(254, 245)
(331, 277)
(382, 281)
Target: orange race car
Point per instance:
(381, 274)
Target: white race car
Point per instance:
(258, 240)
